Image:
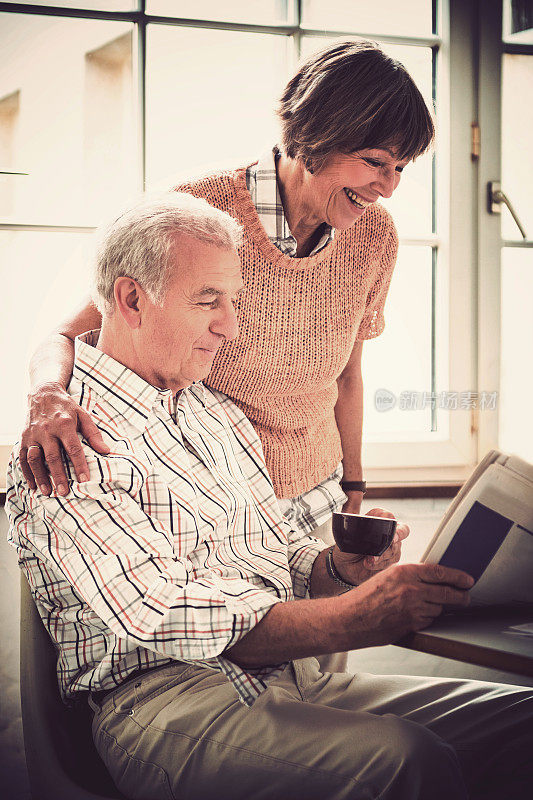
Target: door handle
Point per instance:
(495, 199)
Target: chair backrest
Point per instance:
(60, 755)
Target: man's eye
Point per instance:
(373, 162)
(208, 304)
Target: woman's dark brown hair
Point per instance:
(353, 96)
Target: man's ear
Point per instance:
(129, 299)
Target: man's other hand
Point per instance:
(404, 598)
(53, 422)
(357, 568)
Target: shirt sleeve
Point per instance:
(303, 551)
(122, 563)
(373, 321)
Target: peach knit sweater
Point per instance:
(299, 319)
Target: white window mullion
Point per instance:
(489, 225)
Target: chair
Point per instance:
(60, 755)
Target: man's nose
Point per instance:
(226, 324)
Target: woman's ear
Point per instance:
(128, 298)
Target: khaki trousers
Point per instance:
(179, 732)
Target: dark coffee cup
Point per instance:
(359, 533)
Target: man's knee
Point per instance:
(416, 763)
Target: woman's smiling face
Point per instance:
(340, 192)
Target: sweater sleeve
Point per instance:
(373, 321)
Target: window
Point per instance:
(9, 116)
(516, 378)
(94, 106)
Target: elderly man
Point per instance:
(174, 590)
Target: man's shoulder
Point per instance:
(126, 465)
(227, 410)
(120, 471)
(220, 402)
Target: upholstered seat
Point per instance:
(60, 755)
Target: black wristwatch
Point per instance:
(353, 486)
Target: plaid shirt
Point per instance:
(314, 507)
(173, 550)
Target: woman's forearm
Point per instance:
(349, 417)
(53, 360)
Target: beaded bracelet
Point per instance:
(333, 574)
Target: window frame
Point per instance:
(454, 242)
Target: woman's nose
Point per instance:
(387, 182)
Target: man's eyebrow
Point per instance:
(211, 290)
(208, 290)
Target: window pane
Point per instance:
(93, 5)
(518, 22)
(262, 12)
(517, 124)
(411, 204)
(399, 361)
(516, 379)
(43, 278)
(383, 16)
(66, 117)
(211, 97)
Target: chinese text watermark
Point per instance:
(385, 400)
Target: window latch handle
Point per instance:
(495, 199)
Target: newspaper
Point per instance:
(487, 531)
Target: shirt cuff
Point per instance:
(301, 560)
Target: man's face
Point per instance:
(178, 341)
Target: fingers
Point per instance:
(74, 451)
(26, 469)
(436, 573)
(402, 531)
(424, 622)
(36, 457)
(91, 433)
(54, 461)
(388, 558)
(444, 595)
(380, 512)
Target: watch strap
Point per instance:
(353, 486)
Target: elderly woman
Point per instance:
(317, 258)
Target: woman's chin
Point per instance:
(345, 221)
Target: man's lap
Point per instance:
(338, 734)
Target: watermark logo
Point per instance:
(384, 400)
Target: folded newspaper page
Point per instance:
(488, 531)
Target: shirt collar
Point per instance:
(128, 393)
(262, 184)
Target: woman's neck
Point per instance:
(293, 186)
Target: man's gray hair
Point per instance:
(138, 243)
